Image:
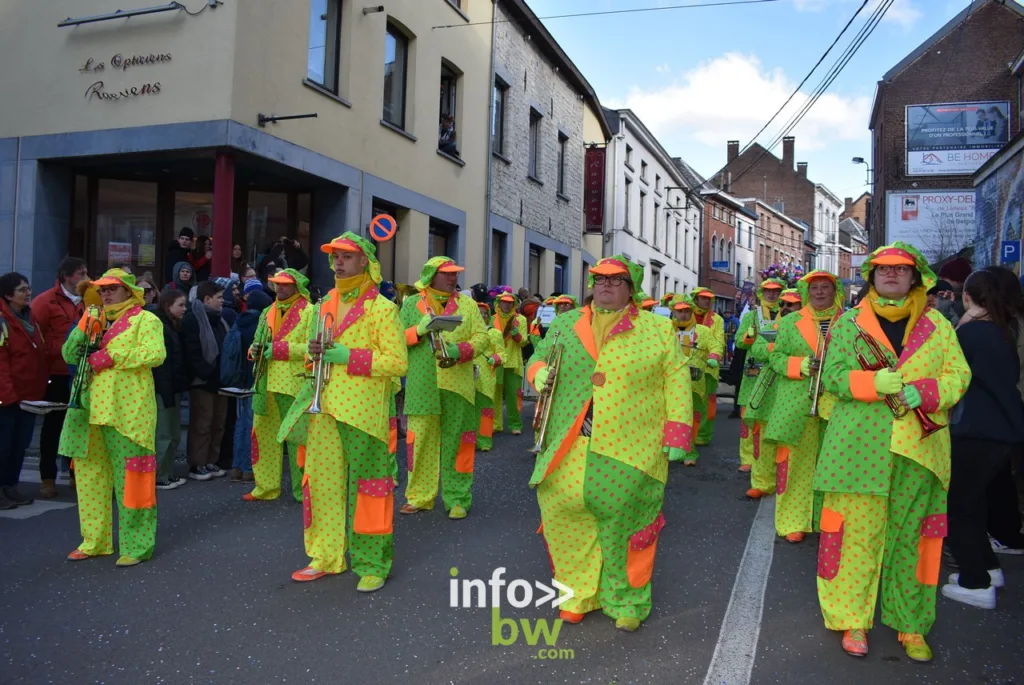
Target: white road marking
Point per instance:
(736, 649)
(35, 509)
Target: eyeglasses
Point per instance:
(106, 289)
(147, 289)
(610, 280)
(900, 269)
(23, 288)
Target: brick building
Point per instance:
(778, 239)
(722, 213)
(965, 61)
(858, 209)
(539, 111)
(783, 184)
(853, 240)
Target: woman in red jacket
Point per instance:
(23, 376)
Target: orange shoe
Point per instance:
(570, 617)
(795, 538)
(744, 468)
(754, 493)
(304, 575)
(77, 555)
(409, 509)
(249, 497)
(855, 642)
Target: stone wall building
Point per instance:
(538, 106)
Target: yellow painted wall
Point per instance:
(592, 132)
(45, 91)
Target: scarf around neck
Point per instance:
(911, 307)
(207, 340)
(116, 311)
(685, 326)
(437, 299)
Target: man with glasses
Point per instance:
(57, 310)
(620, 411)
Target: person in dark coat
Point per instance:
(184, 278)
(170, 381)
(178, 251)
(201, 258)
(204, 331)
(24, 371)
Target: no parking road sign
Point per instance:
(383, 228)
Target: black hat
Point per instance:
(941, 287)
(187, 232)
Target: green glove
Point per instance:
(338, 354)
(888, 382)
(453, 350)
(712, 363)
(805, 367)
(541, 378)
(421, 327)
(911, 396)
(674, 453)
(493, 360)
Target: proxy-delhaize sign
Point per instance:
(939, 223)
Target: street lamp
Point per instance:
(860, 160)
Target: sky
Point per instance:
(700, 77)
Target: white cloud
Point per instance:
(730, 98)
(902, 12)
(662, 68)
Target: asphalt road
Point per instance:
(216, 604)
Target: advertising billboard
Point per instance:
(954, 138)
(937, 222)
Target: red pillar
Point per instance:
(223, 211)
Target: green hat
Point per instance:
(350, 242)
(563, 299)
(804, 286)
(292, 277)
(507, 293)
(443, 264)
(780, 282)
(620, 266)
(681, 299)
(900, 253)
(116, 277)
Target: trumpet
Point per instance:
(814, 389)
(83, 372)
(695, 354)
(260, 361)
(440, 349)
(542, 413)
(321, 368)
(876, 363)
(764, 383)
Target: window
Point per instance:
(396, 63)
(714, 247)
(738, 275)
(728, 253)
(657, 212)
(739, 233)
(561, 271)
(693, 250)
(126, 216)
(629, 198)
(457, 3)
(533, 277)
(750, 238)
(750, 274)
(498, 123)
(498, 247)
(324, 43)
(721, 251)
(629, 156)
(657, 182)
(447, 136)
(655, 284)
(442, 242)
(643, 213)
(643, 171)
(534, 143)
(686, 248)
(562, 140)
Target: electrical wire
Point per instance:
(722, 3)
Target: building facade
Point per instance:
(540, 103)
(655, 222)
(926, 196)
(779, 238)
(853, 240)
(134, 126)
(726, 220)
(859, 210)
(783, 184)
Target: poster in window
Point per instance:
(118, 253)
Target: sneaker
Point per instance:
(627, 623)
(855, 642)
(370, 584)
(995, 578)
(983, 598)
(915, 646)
(170, 484)
(125, 561)
(457, 513)
(1000, 548)
(15, 496)
(215, 471)
(199, 473)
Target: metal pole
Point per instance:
(121, 14)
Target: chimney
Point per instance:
(849, 203)
(801, 169)
(787, 151)
(732, 150)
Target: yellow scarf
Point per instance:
(685, 326)
(824, 314)
(768, 307)
(603, 322)
(911, 307)
(437, 299)
(697, 311)
(116, 311)
(284, 305)
(349, 290)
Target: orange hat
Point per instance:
(648, 304)
(610, 267)
(450, 268)
(771, 285)
(341, 244)
(507, 297)
(282, 277)
(893, 256)
(703, 292)
(681, 305)
(791, 295)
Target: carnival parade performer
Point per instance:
(759, 323)
(441, 402)
(697, 343)
(565, 303)
(761, 404)
(885, 477)
(281, 337)
(703, 298)
(793, 429)
(600, 476)
(349, 480)
(513, 329)
(488, 364)
(110, 436)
